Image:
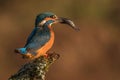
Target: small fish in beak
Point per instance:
(69, 22)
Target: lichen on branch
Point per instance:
(36, 69)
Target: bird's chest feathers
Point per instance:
(48, 44)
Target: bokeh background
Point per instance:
(93, 53)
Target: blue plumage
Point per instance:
(38, 38)
(41, 38)
(41, 17)
(22, 50)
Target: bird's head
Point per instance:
(50, 18)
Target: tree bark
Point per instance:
(35, 69)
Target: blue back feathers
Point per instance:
(39, 36)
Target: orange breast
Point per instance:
(47, 46)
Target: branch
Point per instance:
(35, 69)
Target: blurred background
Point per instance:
(93, 53)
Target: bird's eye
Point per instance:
(53, 16)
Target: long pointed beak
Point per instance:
(69, 22)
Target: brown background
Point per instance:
(91, 54)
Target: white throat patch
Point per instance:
(42, 23)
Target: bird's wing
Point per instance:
(31, 35)
(37, 39)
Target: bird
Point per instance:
(42, 37)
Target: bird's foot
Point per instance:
(28, 56)
(52, 54)
(55, 55)
(46, 55)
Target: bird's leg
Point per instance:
(50, 53)
(46, 55)
(28, 55)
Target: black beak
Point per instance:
(69, 22)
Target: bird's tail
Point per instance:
(21, 50)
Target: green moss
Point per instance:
(35, 69)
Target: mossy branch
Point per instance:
(35, 69)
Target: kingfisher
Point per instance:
(41, 39)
